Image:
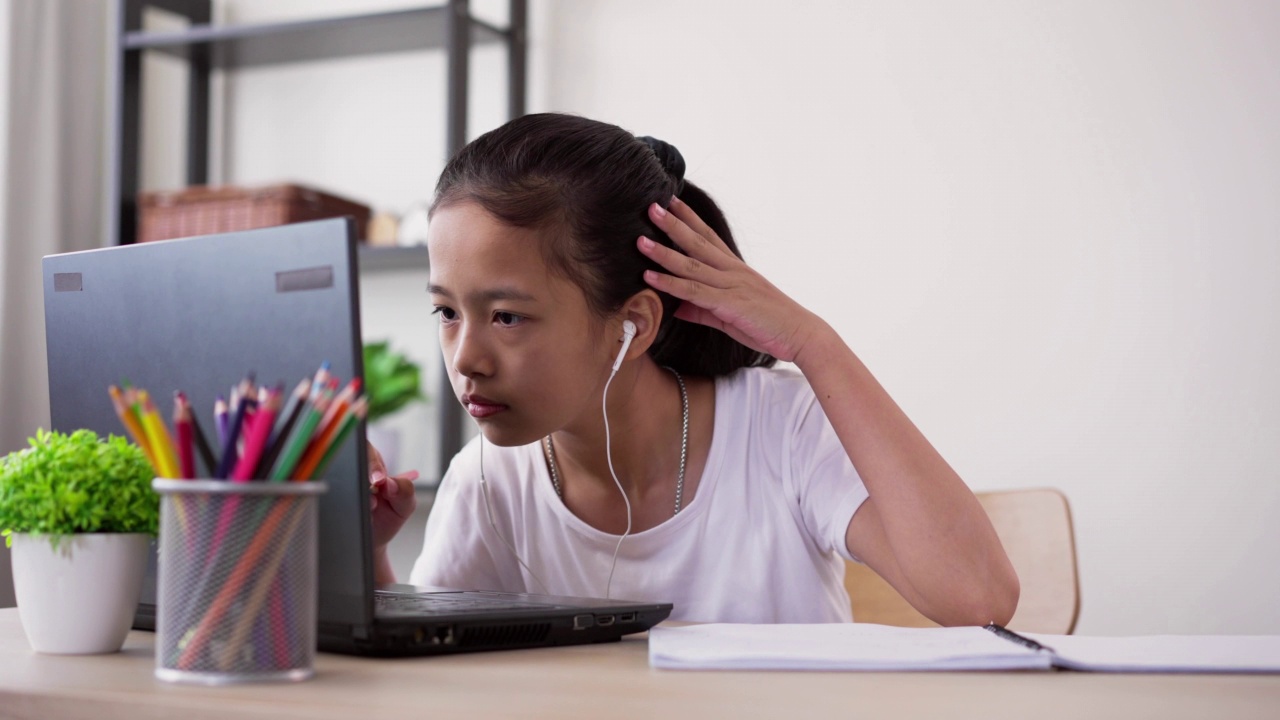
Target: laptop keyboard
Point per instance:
(389, 604)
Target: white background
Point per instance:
(1049, 229)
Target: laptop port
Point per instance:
(625, 618)
(604, 620)
(582, 622)
(443, 635)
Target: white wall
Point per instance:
(6, 582)
(1050, 231)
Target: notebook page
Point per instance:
(1166, 653)
(839, 646)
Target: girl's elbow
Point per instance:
(1001, 599)
(993, 601)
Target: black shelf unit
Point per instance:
(206, 47)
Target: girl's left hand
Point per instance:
(719, 289)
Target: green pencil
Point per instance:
(356, 414)
(302, 436)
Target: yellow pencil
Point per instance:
(161, 442)
(134, 428)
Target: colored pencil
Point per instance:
(358, 411)
(325, 431)
(250, 412)
(290, 415)
(202, 443)
(186, 443)
(340, 404)
(133, 426)
(158, 434)
(220, 422)
(279, 626)
(301, 436)
(240, 400)
(321, 379)
(135, 408)
(256, 440)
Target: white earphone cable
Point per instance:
(608, 452)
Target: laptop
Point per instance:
(196, 314)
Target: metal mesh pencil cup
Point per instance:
(236, 589)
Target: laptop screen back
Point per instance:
(198, 314)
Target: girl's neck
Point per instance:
(645, 423)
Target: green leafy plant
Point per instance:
(391, 381)
(78, 483)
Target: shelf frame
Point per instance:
(206, 47)
(232, 47)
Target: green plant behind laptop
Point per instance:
(391, 381)
(78, 483)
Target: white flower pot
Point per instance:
(78, 598)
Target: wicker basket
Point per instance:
(201, 210)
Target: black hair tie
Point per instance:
(671, 159)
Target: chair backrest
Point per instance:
(1035, 528)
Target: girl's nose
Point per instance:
(470, 358)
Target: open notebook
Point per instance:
(864, 646)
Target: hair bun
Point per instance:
(671, 159)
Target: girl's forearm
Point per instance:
(383, 573)
(939, 534)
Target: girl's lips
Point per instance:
(484, 411)
(480, 407)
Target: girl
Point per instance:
(563, 250)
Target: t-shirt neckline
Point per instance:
(710, 475)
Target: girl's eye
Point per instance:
(507, 319)
(446, 313)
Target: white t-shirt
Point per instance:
(762, 540)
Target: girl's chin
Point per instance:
(505, 436)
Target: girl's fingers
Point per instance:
(679, 264)
(685, 214)
(694, 314)
(691, 291)
(707, 249)
(400, 495)
(396, 491)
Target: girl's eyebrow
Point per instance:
(498, 293)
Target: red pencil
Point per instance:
(182, 423)
(256, 439)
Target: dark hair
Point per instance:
(586, 187)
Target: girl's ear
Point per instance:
(645, 310)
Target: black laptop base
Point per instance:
(547, 621)
(414, 637)
(446, 638)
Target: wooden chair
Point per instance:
(1035, 528)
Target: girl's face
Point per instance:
(524, 354)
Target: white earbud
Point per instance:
(628, 332)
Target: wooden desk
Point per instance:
(600, 681)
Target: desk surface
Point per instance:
(610, 680)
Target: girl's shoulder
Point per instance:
(764, 386)
(772, 398)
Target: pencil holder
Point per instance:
(236, 589)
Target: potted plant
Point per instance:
(78, 512)
(391, 382)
